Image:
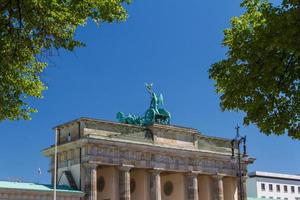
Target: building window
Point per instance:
(278, 188)
(286, 198)
(270, 187)
(263, 187)
(293, 189)
(285, 188)
(270, 197)
(298, 189)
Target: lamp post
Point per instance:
(236, 144)
(55, 166)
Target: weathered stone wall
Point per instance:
(173, 186)
(140, 179)
(230, 188)
(205, 185)
(110, 189)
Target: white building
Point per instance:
(273, 185)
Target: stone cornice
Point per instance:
(69, 145)
(175, 128)
(83, 119)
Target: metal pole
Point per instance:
(55, 166)
(237, 142)
(240, 172)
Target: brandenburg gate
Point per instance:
(145, 158)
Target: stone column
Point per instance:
(192, 186)
(124, 182)
(155, 185)
(93, 182)
(89, 181)
(218, 187)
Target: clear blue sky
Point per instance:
(170, 43)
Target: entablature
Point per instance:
(156, 134)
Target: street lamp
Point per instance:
(236, 144)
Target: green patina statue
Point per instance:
(154, 114)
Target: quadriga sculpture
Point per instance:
(154, 114)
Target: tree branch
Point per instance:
(20, 14)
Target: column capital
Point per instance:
(90, 165)
(244, 178)
(125, 167)
(156, 170)
(93, 166)
(218, 176)
(192, 173)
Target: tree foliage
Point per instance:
(261, 73)
(28, 29)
